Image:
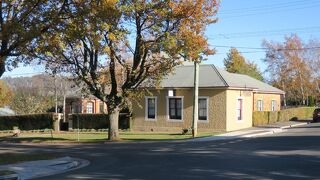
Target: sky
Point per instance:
(244, 24)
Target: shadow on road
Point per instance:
(274, 157)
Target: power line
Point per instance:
(279, 49)
(256, 8)
(265, 33)
(271, 10)
(242, 52)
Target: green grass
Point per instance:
(94, 137)
(10, 158)
(158, 136)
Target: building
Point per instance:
(226, 101)
(81, 104)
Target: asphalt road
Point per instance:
(294, 154)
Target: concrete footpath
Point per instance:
(254, 131)
(35, 169)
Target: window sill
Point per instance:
(203, 121)
(175, 120)
(150, 119)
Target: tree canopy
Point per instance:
(294, 67)
(21, 22)
(236, 63)
(6, 94)
(127, 42)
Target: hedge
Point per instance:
(96, 121)
(268, 117)
(27, 122)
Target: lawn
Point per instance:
(94, 137)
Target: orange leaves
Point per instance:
(6, 94)
(196, 15)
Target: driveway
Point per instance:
(294, 154)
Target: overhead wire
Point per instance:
(262, 7)
(305, 5)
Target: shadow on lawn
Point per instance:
(29, 139)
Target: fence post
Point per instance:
(56, 121)
(70, 122)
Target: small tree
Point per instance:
(126, 43)
(236, 63)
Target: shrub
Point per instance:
(27, 122)
(92, 122)
(267, 117)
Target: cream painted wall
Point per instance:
(267, 98)
(232, 122)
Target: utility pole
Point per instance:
(195, 99)
(56, 94)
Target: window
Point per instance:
(101, 107)
(175, 108)
(260, 105)
(89, 107)
(273, 105)
(151, 107)
(75, 107)
(203, 108)
(239, 109)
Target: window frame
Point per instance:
(207, 109)
(92, 107)
(101, 110)
(275, 105)
(241, 109)
(260, 100)
(147, 108)
(168, 109)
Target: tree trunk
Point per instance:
(2, 65)
(113, 133)
(284, 96)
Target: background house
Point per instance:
(81, 104)
(226, 101)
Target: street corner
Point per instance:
(41, 168)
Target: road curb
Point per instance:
(300, 124)
(257, 134)
(276, 130)
(10, 177)
(42, 168)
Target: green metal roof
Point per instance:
(210, 76)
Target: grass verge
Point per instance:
(95, 137)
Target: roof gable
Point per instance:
(210, 76)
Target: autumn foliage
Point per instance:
(113, 46)
(294, 67)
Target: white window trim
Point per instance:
(207, 120)
(242, 120)
(92, 107)
(275, 107)
(167, 108)
(261, 105)
(146, 108)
